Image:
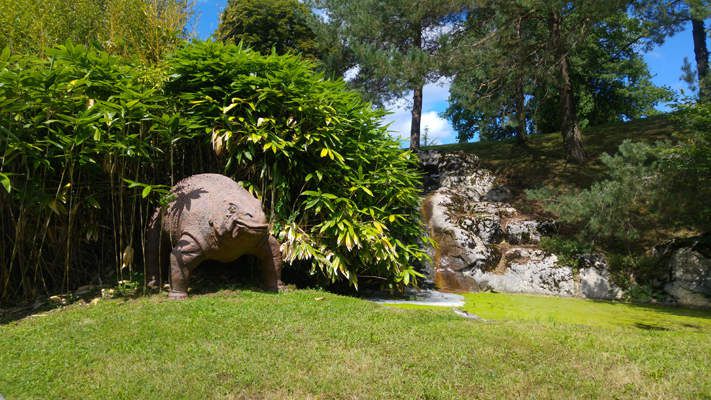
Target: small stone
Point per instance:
(467, 315)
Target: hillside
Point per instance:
(542, 162)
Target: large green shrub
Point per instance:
(80, 128)
(72, 127)
(343, 197)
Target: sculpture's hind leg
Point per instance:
(270, 257)
(185, 256)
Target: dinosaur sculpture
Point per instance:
(211, 217)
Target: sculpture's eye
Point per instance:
(249, 215)
(232, 208)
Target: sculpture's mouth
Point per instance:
(254, 228)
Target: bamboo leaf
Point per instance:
(5, 182)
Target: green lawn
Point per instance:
(311, 344)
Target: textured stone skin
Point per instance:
(210, 218)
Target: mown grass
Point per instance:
(573, 311)
(311, 344)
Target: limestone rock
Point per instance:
(458, 170)
(458, 248)
(691, 277)
(529, 271)
(468, 217)
(523, 232)
(595, 283)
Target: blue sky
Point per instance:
(664, 63)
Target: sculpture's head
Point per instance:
(249, 222)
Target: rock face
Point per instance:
(486, 244)
(689, 263)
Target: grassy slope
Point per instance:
(543, 162)
(309, 344)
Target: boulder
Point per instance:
(528, 271)
(595, 283)
(690, 277)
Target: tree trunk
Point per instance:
(701, 53)
(416, 118)
(521, 114)
(416, 97)
(520, 97)
(569, 125)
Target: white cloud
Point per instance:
(439, 128)
(434, 100)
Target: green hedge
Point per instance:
(81, 128)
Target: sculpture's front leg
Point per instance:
(185, 256)
(270, 257)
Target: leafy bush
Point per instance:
(86, 136)
(566, 249)
(343, 197)
(73, 127)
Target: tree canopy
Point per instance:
(396, 46)
(501, 88)
(263, 25)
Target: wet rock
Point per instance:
(457, 248)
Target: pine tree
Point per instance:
(396, 45)
(533, 42)
(666, 17)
